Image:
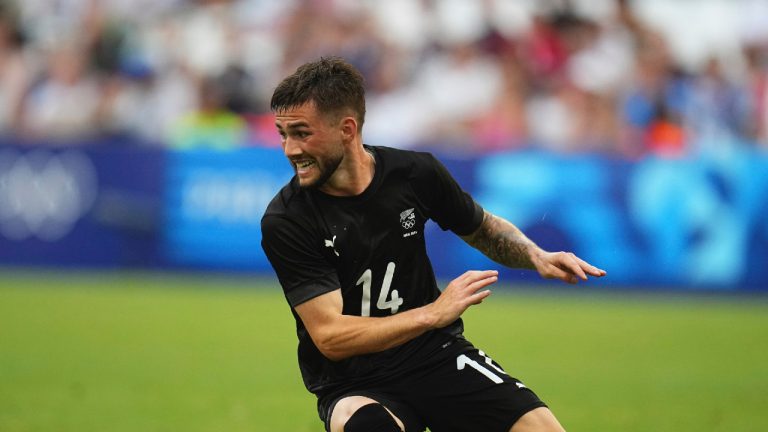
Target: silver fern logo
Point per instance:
(408, 219)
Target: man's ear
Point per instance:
(348, 128)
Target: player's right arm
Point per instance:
(340, 336)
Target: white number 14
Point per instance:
(393, 304)
(463, 360)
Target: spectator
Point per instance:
(654, 101)
(717, 111)
(757, 88)
(14, 71)
(504, 127)
(66, 103)
(456, 87)
(213, 125)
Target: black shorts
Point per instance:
(462, 390)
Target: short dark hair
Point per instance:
(334, 85)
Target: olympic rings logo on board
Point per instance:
(44, 193)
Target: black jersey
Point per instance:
(371, 246)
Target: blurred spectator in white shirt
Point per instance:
(454, 88)
(65, 104)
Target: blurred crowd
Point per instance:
(612, 76)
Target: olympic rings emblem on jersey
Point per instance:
(408, 219)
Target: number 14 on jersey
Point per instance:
(393, 304)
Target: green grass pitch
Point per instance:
(139, 352)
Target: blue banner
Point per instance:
(91, 207)
(214, 205)
(694, 223)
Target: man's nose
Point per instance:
(291, 147)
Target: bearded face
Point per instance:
(311, 143)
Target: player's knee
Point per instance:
(371, 418)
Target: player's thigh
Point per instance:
(538, 420)
(346, 407)
(469, 391)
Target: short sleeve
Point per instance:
(301, 269)
(449, 205)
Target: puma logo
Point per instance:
(330, 244)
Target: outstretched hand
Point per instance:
(564, 266)
(463, 292)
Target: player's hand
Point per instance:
(564, 266)
(460, 294)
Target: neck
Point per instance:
(354, 174)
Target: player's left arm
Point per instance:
(503, 242)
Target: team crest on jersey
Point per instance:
(408, 221)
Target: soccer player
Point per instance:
(379, 344)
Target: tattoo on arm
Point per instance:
(502, 242)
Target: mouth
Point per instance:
(304, 165)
